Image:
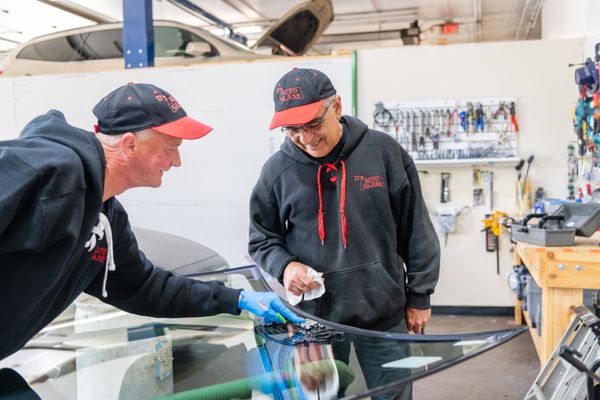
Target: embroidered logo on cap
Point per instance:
(294, 93)
(172, 102)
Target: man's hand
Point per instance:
(416, 318)
(268, 306)
(296, 279)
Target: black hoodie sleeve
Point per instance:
(138, 287)
(417, 239)
(266, 244)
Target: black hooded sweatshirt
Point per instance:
(361, 220)
(51, 181)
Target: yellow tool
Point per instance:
(492, 227)
(493, 221)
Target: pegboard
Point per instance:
(454, 129)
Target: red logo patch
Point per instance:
(369, 182)
(294, 93)
(99, 255)
(171, 100)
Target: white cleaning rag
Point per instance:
(312, 293)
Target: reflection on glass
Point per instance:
(94, 351)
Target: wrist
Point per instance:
(241, 301)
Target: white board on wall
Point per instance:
(207, 198)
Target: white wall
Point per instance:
(536, 73)
(8, 124)
(567, 19)
(572, 19)
(207, 198)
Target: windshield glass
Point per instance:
(99, 352)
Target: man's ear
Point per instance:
(128, 143)
(338, 107)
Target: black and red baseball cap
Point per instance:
(299, 95)
(138, 106)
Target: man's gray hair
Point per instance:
(330, 98)
(113, 140)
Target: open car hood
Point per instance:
(298, 30)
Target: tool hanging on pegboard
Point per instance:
(445, 187)
(583, 159)
(446, 218)
(493, 228)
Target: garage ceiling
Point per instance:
(357, 23)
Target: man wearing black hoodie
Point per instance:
(62, 231)
(345, 201)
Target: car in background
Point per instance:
(179, 255)
(100, 47)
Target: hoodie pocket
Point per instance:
(363, 296)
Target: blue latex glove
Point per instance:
(268, 306)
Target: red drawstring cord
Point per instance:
(321, 222)
(342, 203)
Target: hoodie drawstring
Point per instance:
(343, 205)
(342, 202)
(320, 217)
(98, 232)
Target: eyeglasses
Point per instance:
(312, 126)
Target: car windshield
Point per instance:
(101, 352)
(169, 41)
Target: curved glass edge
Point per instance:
(83, 356)
(260, 278)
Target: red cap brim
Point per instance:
(296, 116)
(184, 128)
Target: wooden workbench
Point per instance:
(562, 273)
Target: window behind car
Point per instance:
(108, 44)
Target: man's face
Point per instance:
(154, 153)
(319, 136)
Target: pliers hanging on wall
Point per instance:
(501, 110)
(470, 117)
(463, 120)
(513, 117)
(479, 118)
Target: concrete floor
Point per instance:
(505, 372)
